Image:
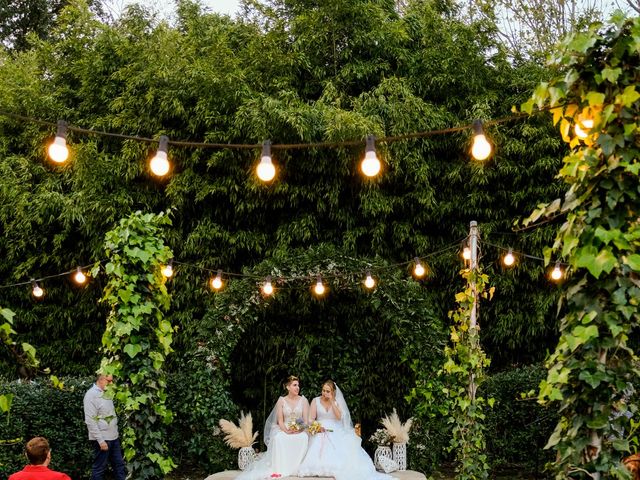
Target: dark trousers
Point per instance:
(102, 457)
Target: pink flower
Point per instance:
(275, 475)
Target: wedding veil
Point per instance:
(347, 424)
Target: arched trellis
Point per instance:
(341, 335)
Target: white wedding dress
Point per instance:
(337, 453)
(285, 451)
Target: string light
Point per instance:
(79, 277)
(160, 163)
(481, 148)
(58, 151)
(369, 282)
(557, 273)
(267, 288)
(265, 170)
(36, 290)
(582, 127)
(508, 260)
(167, 270)
(370, 166)
(466, 253)
(216, 282)
(418, 269)
(319, 287)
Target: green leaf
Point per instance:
(6, 401)
(628, 97)
(611, 74)
(132, 349)
(595, 98)
(633, 261)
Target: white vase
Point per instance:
(400, 455)
(246, 456)
(381, 451)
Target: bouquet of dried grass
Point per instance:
(395, 428)
(241, 435)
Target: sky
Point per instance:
(166, 7)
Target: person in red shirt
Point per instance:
(39, 456)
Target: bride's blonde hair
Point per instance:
(332, 385)
(290, 379)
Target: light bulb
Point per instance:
(509, 259)
(319, 287)
(265, 169)
(167, 270)
(481, 148)
(36, 291)
(418, 269)
(216, 282)
(557, 273)
(466, 253)
(369, 282)
(79, 277)
(267, 288)
(582, 128)
(159, 163)
(58, 151)
(370, 166)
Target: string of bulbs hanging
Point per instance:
(319, 287)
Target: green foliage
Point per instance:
(138, 339)
(41, 409)
(517, 427)
(464, 372)
(362, 340)
(593, 362)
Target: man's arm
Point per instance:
(91, 418)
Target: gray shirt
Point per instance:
(100, 416)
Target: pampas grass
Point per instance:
(395, 428)
(239, 436)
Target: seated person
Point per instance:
(39, 456)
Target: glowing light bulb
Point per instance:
(481, 148)
(267, 288)
(58, 151)
(79, 277)
(582, 128)
(509, 259)
(159, 164)
(369, 282)
(216, 282)
(418, 269)
(36, 291)
(466, 253)
(319, 288)
(167, 270)
(557, 273)
(370, 166)
(265, 170)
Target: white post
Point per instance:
(473, 246)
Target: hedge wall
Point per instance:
(516, 429)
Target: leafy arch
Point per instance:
(367, 341)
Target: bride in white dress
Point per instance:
(284, 436)
(336, 453)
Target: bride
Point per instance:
(336, 452)
(284, 436)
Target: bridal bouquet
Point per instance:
(316, 427)
(296, 425)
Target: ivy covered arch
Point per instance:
(371, 342)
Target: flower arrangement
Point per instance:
(398, 431)
(381, 438)
(316, 427)
(241, 435)
(296, 425)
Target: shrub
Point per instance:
(517, 429)
(40, 410)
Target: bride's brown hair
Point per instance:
(331, 383)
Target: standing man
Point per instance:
(102, 423)
(39, 456)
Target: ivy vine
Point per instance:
(138, 339)
(596, 104)
(464, 371)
